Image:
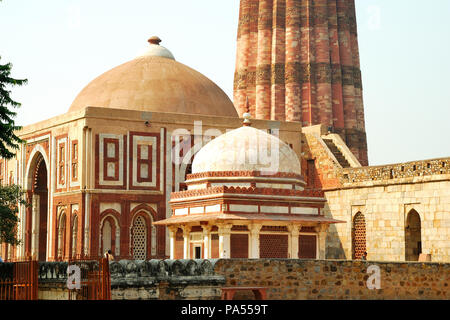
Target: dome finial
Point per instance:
(247, 114)
(154, 40)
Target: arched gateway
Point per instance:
(36, 219)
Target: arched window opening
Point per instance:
(62, 236)
(107, 236)
(358, 236)
(139, 238)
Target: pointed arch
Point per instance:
(37, 152)
(61, 249)
(37, 217)
(143, 232)
(413, 236)
(109, 232)
(358, 236)
(74, 230)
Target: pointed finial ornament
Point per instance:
(154, 40)
(247, 114)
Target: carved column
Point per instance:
(172, 235)
(294, 231)
(117, 241)
(35, 226)
(254, 240)
(322, 233)
(206, 241)
(187, 242)
(224, 241)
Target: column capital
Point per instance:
(173, 228)
(294, 229)
(225, 228)
(255, 228)
(206, 228)
(186, 229)
(323, 227)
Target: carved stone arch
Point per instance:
(61, 252)
(34, 159)
(74, 233)
(151, 213)
(186, 166)
(413, 235)
(37, 220)
(358, 235)
(109, 219)
(138, 235)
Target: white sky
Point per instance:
(61, 45)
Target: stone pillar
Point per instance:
(118, 241)
(206, 241)
(322, 234)
(294, 231)
(254, 240)
(224, 241)
(35, 226)
(187, 242)
(172, 234)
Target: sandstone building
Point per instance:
(134, 154)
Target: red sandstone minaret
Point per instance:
(298, 60)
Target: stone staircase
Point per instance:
(337, 153)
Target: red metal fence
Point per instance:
(95, 280)
(19, 281)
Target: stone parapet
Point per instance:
(138, 279)
(409, 172)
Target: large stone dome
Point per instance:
(246, 149)
(155, 82)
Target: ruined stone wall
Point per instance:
(385, 195)
(283, 278)
(337, 279)
(385, 204)
(142, 280)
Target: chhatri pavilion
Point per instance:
(245, 198)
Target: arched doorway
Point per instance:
(358, 236)
(413, 236)
(37, 214)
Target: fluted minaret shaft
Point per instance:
(298, 60)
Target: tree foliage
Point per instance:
(8, 127)
(11, 197)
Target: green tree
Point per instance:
(11, 197)
(8, 139)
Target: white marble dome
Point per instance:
(247, 149)
(155, 50)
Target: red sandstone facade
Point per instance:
(298, 60)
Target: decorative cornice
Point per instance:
(310, 193)
(227, 174)
(396, 171)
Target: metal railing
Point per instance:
(19, 280)
(94, 281)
